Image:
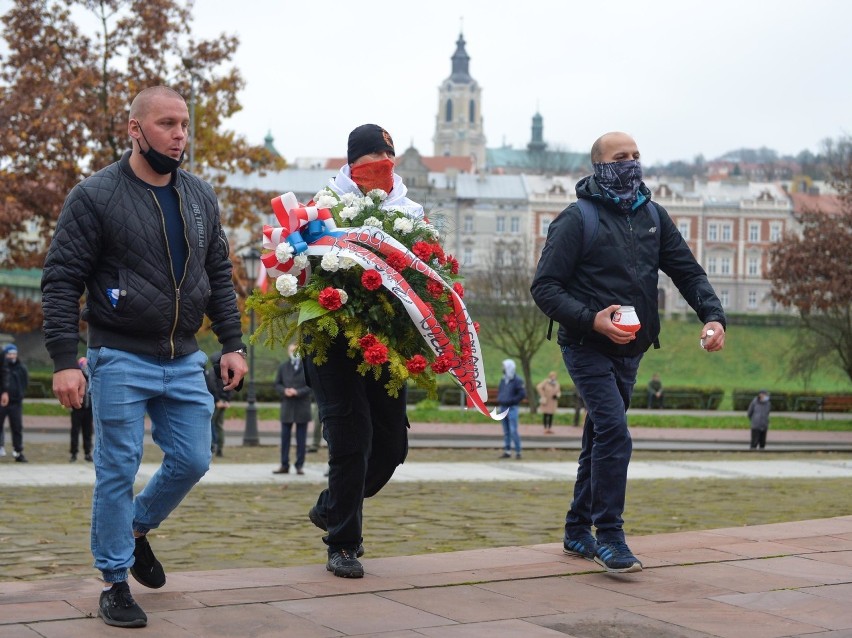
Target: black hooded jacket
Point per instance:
(111, 236)
(573, 283)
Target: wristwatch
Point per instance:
(242, 352)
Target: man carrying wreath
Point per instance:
(365, 427)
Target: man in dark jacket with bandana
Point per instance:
(580, 287)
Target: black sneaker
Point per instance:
(72, 458)
(146, 568)
(117, 607)
(583, 547)
(20, 458)
(88, 457)
(616, 557)
(318, 520)
(344, 564)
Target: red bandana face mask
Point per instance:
(371, 175)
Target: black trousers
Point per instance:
(758, 438)
(81, 423)
(15, 411)
(367, 435)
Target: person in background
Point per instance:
(510, 393)
(81, 420)
(549, 392)
(295, 395)
(221, 402)
(143, 240)
(655, 392)
(579, 283)
(14, 380)
(365, 428)
(758, 414)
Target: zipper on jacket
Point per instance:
(171, 270)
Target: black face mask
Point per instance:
(159, 162)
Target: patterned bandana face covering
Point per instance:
(620, 180)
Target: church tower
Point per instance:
(458, 126)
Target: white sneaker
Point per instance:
(15, 453)
(2, 451)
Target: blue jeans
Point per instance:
(510, 430)
(173, 393)
(605, 383)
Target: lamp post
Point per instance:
(251, 262)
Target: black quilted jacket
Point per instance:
(111, 236)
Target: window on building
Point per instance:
(711, 265)
(472, 111)
(683, 227)
(449, 111)
(752, 299)
(467, 256)
(544, 225)
(774, 232)
(753, 267)
(515, 225)
(468, 223)
(725, 298)
(501, 224)
(712, 232)
(754, 233)
(725, 266)
(727, 232)
(439, 222)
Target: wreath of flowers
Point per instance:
(320, 298)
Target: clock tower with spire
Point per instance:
(458, 126)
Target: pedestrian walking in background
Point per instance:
(510, 393)
(549, 392)
(602, 252)
(291, 386)
(81, 420)
(221, 402)
(655, 392)
(758, 414)
(14, 380)
(143, 240)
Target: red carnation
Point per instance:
(452, 324)
(416, 364)
(442, 364)
(459, 289)
(422, 250)
(454, 264)
(329, 298)
(434, 288)
(367, 341)
(376, 354)
(371, 280)
(396, 261)
(439, 253)
(476, 326)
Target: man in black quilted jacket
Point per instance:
(143, 240)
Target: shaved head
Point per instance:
(614, 146)
(142, 102)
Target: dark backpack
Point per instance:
(591, 224)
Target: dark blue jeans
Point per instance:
(605, 383)
(367, 435)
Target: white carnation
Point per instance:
(403, 225)
(367, 202)
(284, 252)
(300, 261)
(349, 198)
(377, 193)
(343, 296)
(330, 262)
(326, 201)
(348, 212)
(287, 285)
(429, 228)
(373, 221)
(346, 263)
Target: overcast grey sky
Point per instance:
(682, 77)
